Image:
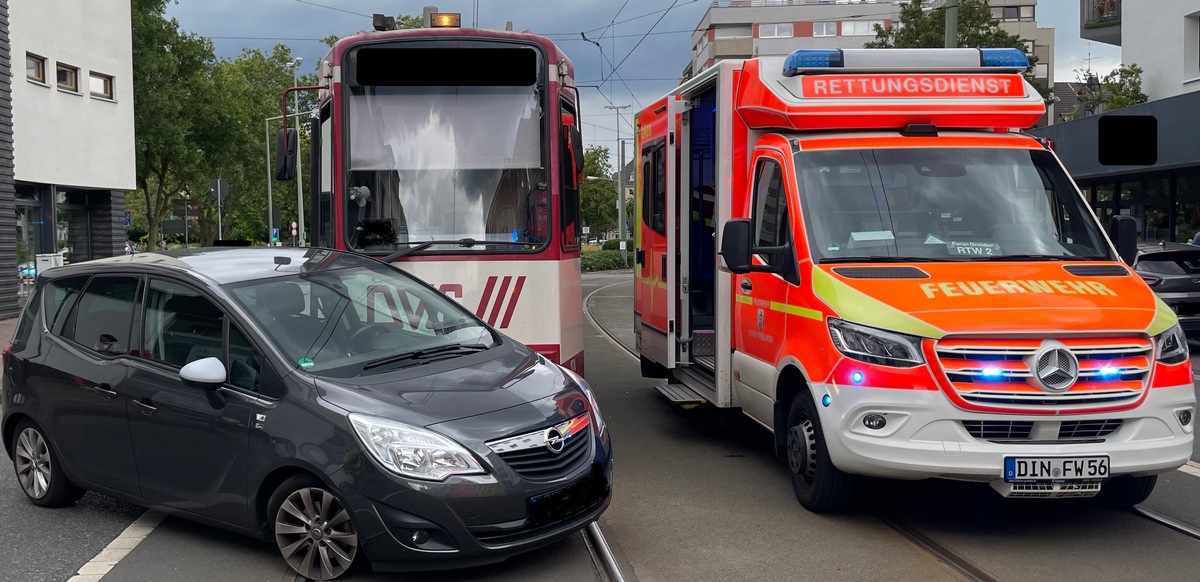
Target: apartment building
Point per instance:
(73, 128)
(1160, 36)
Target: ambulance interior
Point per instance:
(701, 212)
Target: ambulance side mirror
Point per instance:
(1122, 229)
(737, 244)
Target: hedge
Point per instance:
(601, 261)
(615, 245)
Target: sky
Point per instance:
(647, 41)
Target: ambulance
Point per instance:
(862, 251)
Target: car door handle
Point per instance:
(747, 286)
(104, 391)
(146, 406)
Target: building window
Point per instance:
(1028, 47)
(780, 30)
(859, 27)
(35, 68)
(68, 78)
(101, 86)
(1012, 13)
(1026, 12)
(824, 29)
(1042, 70)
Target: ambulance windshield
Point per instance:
(944, 204)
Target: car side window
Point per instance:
(181, 325)
(770, 206)
(103, 318)
(244, 367)
(59, 297)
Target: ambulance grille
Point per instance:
(1088, 429)
(881, 272)
(998, 373)
(989, 430)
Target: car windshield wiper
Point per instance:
(418, 356)
(879, 259)
(462, 242)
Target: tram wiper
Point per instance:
(462, 242)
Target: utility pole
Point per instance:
(620, 185)
(295, 66)
(951, 24)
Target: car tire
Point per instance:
(1125, 491)
(38, 469)
(819, 486)
(324, 552)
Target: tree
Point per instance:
(1123, 87)
(920, 28)
(598, 194)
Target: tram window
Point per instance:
(570, 173)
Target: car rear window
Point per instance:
(60, 296)
(1171, 264)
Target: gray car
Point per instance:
(322, 400)
(1173, 271)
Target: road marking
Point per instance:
(120, 547)
(1191, 468)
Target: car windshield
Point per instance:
(351, 316)
(944, 204)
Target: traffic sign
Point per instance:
(274, 235)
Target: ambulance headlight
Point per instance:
(875, 346)
(1171, 346)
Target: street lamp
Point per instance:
(620, 184)
(295, 67)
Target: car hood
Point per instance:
(499, 378)
(937, 299)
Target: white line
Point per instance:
(1191, 468)
(120, 547)
(587, 310)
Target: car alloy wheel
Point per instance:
(314, 534)
(33, 464)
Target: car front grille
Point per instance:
(999, 373)
(534, 455)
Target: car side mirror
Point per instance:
(286, 143)
(207, 374)
(737, 244)
(1122, 230)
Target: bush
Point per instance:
(615, 245)
(601, 261)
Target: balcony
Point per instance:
(1101, 21)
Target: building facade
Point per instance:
(1160, 36)
(8, 239)
(73, 128)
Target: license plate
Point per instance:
(568, 501)
(1055, 468)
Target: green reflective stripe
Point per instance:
(854, 305)
(796, 310)
(1164, 317)
(783, 308)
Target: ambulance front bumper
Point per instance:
(925, 436)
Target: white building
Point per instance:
(73, 128)
(1160, 36)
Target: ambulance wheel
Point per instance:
(1124, 492)
(819, 486)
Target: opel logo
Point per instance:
(1055, 368)
(555, 441)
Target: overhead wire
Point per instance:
(639, 42)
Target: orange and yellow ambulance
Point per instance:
(861, 251)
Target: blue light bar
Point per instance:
(811, 59)
(1003, 57)
(991, 372)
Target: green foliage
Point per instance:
(615, 245)
(605, 260)
(598, 194)
(1123, 87)
(927, 29)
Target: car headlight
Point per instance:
(597, 421)
(411, 451)
(1171, 346)
(875, 346)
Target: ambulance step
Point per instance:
(707, 362)
(681, 395)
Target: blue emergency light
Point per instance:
(909, 59)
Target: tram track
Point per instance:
(956, 562)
